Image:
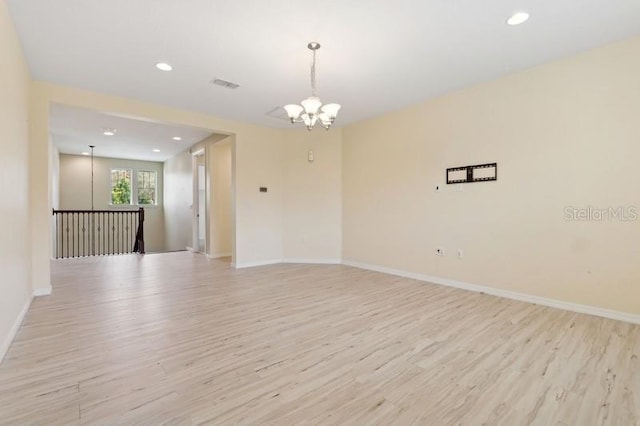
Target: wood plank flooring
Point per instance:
(177, 338)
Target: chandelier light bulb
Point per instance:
(331, 110)
(311, 105)
(293, 110)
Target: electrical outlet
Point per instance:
(440, 251)
(460, 254)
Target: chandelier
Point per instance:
(312, 111)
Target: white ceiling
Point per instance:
(74, 129)
(376, 56)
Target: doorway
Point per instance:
(199, 201)
(213, 189)
(202, 208)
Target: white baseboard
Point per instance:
(14, 329)
(289, 260)
(218, 255)
(42, 291)
(187, 248)
(314, 261)
(260, 263)
(523, 297)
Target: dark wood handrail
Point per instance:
(97, 211)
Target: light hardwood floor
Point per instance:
(179, 339)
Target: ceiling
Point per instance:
(376, 55)
(74, 129)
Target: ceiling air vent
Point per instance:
(224, 83)
(278, 112)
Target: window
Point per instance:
(126, 191)
(146, 181)
(120, 186)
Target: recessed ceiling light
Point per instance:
(109, 132)
(176, 138)
(156, 150)
(85, 153)
(163, 66)
(518, 18)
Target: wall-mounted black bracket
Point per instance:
(468, 174)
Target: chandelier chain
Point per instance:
(313, 75)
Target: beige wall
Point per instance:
(54, 182)
(312, 196)
(15, 286)
(54, 186)
(258, 215)
(563, 134)
(75, 191)
(178, 199)
(219, 163)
